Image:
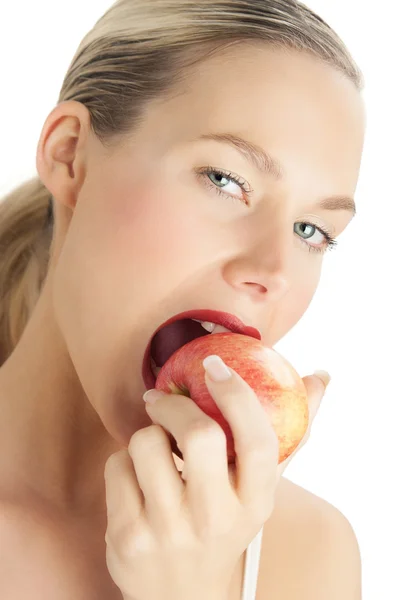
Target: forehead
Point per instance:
(304, 112)
(258, 86)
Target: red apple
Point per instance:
(279, 388)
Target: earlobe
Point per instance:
(60, 159)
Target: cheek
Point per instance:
(122, 256)
(153, 238)
(125, 251)
(125, 254)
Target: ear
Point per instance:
(62, 150)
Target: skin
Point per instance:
(129, 253)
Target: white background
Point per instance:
(350, 328)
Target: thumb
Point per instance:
(316, 385)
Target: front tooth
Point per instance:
(210, 327)
(220, 329)
(206, 325)
(154, 368)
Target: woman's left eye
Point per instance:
(330, 243)
(210, 172)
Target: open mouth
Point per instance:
(181, 330)
(172, 337)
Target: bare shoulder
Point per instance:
(309, 550)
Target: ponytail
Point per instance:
(25, 240)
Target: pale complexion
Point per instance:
(139, 237)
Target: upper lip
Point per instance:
(227, 320)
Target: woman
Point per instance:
(153, 163)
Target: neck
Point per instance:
(53, 445)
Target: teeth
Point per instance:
(155, 369)
(208, 326)
(211, 327)
(220, 329)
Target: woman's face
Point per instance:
(150, 237)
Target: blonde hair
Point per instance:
(138, 51)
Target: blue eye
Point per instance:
(208, 171)
(330, 241)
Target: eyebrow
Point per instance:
(268, 165)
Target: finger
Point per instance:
(256, 444)
(124, 499)
(203, 445)
(315, 386)
(157, 475)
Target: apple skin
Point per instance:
(279, 388)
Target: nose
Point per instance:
(264, 270)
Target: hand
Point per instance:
(174, 536)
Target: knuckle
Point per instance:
(130, 541)
(176, 537)
(213, 530)
(111, 463)
(152, 435)
(264, 438)
(114, 463)
(215, 524)
(264, 452)
(204, 431)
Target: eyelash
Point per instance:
(331, 242)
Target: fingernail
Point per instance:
(151, 396)
(324, 377)
(216, 368)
